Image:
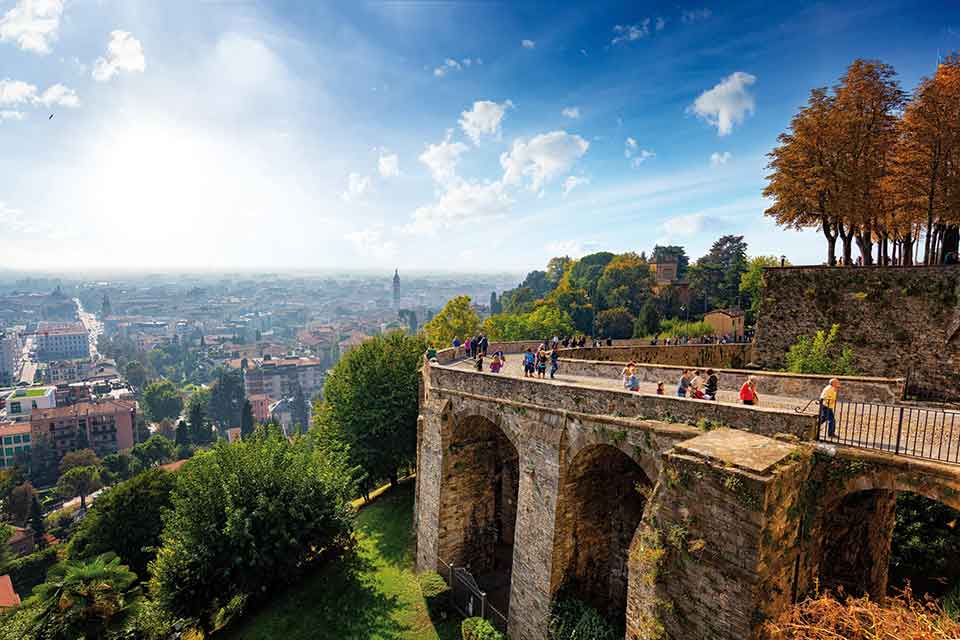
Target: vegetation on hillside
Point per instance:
(821, 354)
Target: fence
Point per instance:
(930, 433)
(469, 599)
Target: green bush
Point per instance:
(28, 571)
(248, 518)
(572, 619)
(821, 355)
(435, 592)
(479, 629)
(675, 328)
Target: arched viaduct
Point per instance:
(674, 530)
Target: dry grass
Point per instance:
(901, 617)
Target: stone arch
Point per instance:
(601, 501)
(478, 499)
(637, 444)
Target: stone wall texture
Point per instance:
(899, 321)
(692, 355)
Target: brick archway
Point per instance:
(601, 501)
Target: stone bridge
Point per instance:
(677, 518)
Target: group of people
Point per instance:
(472, 347)
(698, 384)
(535, 364)
(680, 340)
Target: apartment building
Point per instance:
(14, 443)
(10, 348)
(62, 341)
(108, 425)
(278, 379)
(19, 404)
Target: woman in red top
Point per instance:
(748, 392)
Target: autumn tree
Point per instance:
(626, 281)
(456, 320)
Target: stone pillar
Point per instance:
(429, 480)
(533, 542)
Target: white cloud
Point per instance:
(727, 104)
(689, 225)
(570, 248)
(388, 165)
(19, 92)
(543, 158)
(12, 115)
(370, 243)
(442, 158)
(484, 118)
(717, 158)
(124, 53)
(572, 182)
(695, 15)
(32, 24)
(450, 64)
(357, 187)
(59, 95)
(631, 32)
(571, 112)
(661, 23)
(635, 154)
(528, 44)
(462, 202)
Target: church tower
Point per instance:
(396, 287)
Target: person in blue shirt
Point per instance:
(528, 363)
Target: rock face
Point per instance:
(899, 321)
(670, 531)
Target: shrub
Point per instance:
(28, 571)
(902, 616)
(435, 592)
(674, 328)
(479, 629)
(248, 518)
(572, 619)
(821, 354)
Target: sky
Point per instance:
(449, 136)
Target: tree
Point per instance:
(89, 599)
(79, 481)
(648, 321)
(43, 461)
(136, 374)
(121, 466)
(162, 400)
(246, 418)
(126, 520)
(715, 278)
(79, 458)
(300, 412)
(495, 306)
(457, 319)
(585, 273)
(627, 281)
(541, 323)
(183, 436)
(556, 268)
(616, 323)
(751, 282)
(249, 518)
(821, 354)
(38, 524)
(370, 405)
(671, 253)
(200, 432)
(519, 300)
(226, 399)
(18, 504)
(157, 450)
(409, 317)
(576, 304)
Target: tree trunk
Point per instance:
(830, 233)
(865, 244)
(906, 250)
(950, 242)
(847, 238)
(83, 502)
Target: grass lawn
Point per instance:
(374, 595)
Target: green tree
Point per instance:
(197, 407)
(556, 268)
(79, 458)
(627, 281)
(38, 524)
(246, 419)
(89, 599)
(821, 354)
(79, 481)
(370, 405)
(541, 323)
(43, 461)
(136, 374)
(751, 282)
(519, 300)
(456, 320)
(121, 466)
(157, 450)
(672, 253)
(248, 518)
(299, 411)
(585, 273)
(126, 520)
(18, 503)
(162, 400)
(226, 399)
(648, 320)
(183, 436)
(615, 323)
(715, 278)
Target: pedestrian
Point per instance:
(710, 390)
(542, 363)
(478, 365)
(554, 343)
(684, 384)
(696, 385)
(633, 382)
(473, 347)
(528, 363)
(456, 345)
(484, 344)
(828, 406)
(496, 364)
(554, 362)
(748, 392)
(625, 374)
(660, 388)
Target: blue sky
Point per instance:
(474, 136)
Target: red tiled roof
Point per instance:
(100, 407)
(8, 595)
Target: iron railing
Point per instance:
(468, 598)
(921, 432)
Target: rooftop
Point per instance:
(101, 407)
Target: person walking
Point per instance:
(541, 363)
(478, 365)
(554, 362)
(528, 363)
(633, 382)
(496, 364)
(828, 406)
(684, 385)
(484, 344)
(696, 385)
(748, 392)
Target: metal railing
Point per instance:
(468, 598)
(929, 433)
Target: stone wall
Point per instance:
(777, 383)
(899, 321)
(692, 355)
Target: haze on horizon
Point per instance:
(186, 136)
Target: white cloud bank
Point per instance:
(124, 53)
(726, 104)
(442, 158)
(18, 92)
(543, 158)
(484, 118)
(32, 24)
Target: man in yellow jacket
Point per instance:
(828, 404)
